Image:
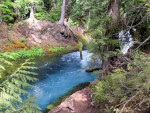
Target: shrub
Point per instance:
(72, 22)
(41, 14)
(56, 49)
(69, 47)
(53, 17)
(23, 39)
(126, 89)
(36, 51)
(10, 25)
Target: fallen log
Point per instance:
(93, 69)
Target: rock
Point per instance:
(79, 102)
(70, 107)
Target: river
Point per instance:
(59, 75)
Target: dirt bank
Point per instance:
(38, 33)
(79, 102)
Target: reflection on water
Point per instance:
(61, 75)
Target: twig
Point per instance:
(121, 111)
(124, 85)
(142, 43)
(17, 110)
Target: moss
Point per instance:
(80, 49)
(62, 98)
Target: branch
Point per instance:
(121, 111)
(17, 110)
(142, 43)
(15, 72)
(124, 85)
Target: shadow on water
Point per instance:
(59, 74)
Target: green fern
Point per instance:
(15, 85)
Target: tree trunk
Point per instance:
(18, 11)
(61, 21)
(0, 15)
(0, 10)
(88, 19)
(32, 13)
(114, 12)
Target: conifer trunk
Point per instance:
(18, 11)
(114, 12)
(61, 21)
(0, 15)
(88, 19)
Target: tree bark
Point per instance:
(32, 13)
(0, 7)
(18, 11)
(114, 12)
(61, 21)
(0, 14)
(88, 19)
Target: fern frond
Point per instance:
(15, 86)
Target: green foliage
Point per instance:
(6, 7)
(24, 7)
(10, 25)
(72, 22)
(41, 14)
(22, 39)
(56, 49)
(55, 12)
(69, 47)
(123, 86)
(36, 51)
(4, 62)
(99, 93)
(53, 15)
(14, 86)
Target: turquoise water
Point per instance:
(60, 75)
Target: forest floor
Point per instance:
(25, 35)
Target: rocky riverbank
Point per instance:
(79, 102)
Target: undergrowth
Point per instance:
(36, 51)
(56, 49)
(127, 90)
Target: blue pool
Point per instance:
(60, 75)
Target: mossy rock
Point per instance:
(62, 98)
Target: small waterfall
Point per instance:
(126, 40)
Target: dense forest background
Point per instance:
(124, 82)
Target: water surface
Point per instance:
(59, 75)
